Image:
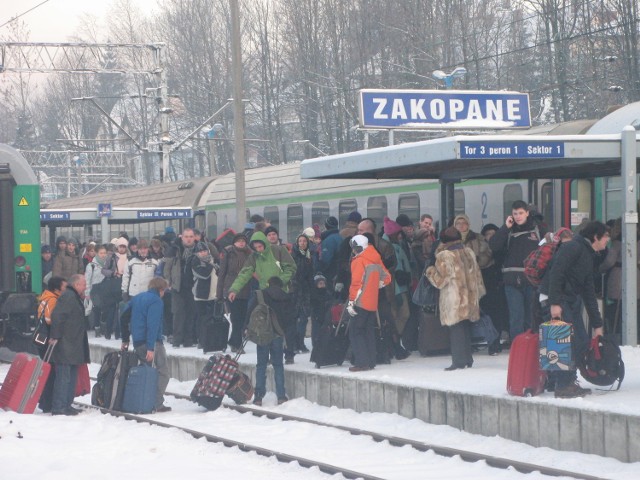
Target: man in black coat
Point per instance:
(571, 284)
(71, 344)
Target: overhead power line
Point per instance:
(23, 13)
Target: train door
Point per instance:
(578, 198)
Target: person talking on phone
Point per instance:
(513, 242)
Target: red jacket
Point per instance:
(367, 271)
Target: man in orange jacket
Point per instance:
(368, 275)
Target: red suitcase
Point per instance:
(83, 382)
(24, 383)
(524, 377)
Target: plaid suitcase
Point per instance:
(214, 381)
(240, 389)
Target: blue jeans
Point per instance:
(64, 387)
(520, 302)
(275, 351)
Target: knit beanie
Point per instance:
(403, 220)
(391, 227)
(331, 223)
(354, 217)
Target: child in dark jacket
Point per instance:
(283, 306)
(321, 302)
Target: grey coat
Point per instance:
(69, 328)
(66, 265)
(613, 264)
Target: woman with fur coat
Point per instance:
(457, 275)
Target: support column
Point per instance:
(447, 203)
(238, 113)
(629, 238)
(104, 229)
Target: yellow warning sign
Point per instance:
(26, 248)
(23, 202)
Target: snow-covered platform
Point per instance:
(474, 400)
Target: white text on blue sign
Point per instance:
(164, 214)
(512, 149)
(443, 109)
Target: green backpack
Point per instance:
(263, 325)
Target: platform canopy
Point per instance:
(478, 156)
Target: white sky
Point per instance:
(57, 20)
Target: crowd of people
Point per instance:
(372, 269)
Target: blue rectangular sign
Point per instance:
(443, 109)
(507, 149)
(164, 214)
(55, 216)
(104, 210)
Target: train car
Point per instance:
(20, 261)
(292, 204)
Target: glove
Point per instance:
(381, 285)
(338, 288)
(125, 297)
(351, 309)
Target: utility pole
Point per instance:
(165, 111)
(238, 113)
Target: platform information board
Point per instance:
(443, 109)
(509, 149)
(168, 214)
(55, 216)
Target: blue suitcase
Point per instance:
(140, 391)
(556, 346)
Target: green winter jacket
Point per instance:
(274, 261)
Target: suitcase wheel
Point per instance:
(528, 392)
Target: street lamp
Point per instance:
(307, 142)
(447, 78)
(212, 133)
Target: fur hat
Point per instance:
(403, 220)
(122, 241)
(391, 227)
(239, 236)
(331, 223)
(354, 217)
(462, 216)
(450, 234)
(270, 229)
(200, 247)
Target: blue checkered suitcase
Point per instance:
(556, 346)
(140, 391)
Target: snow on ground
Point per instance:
(487, 377)
(100, 446)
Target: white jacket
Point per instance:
(138, 274)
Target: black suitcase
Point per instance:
(215, 333)
(108, 391)
(331, 345)
(384, 345)
(433, 338)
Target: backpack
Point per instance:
(263, 325)
(602, 363)
(537, 262)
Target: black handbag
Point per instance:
(425, 294)
(42, 331)
(107, 292)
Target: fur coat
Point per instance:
(457, 275)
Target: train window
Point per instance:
(212, 225)
(510, 194)
(248, 215)
(319, 213)
(459, 202)
(409, 204)
(272, 215)
(295, 223)
(613, 198)
(546, 203)
(377, 209)
(581, 201)
(345, 208)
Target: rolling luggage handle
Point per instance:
(48, 353)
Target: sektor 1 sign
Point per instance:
(522, 149)
(415, 109)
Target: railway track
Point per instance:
(467, 456)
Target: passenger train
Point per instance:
(291, 203)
